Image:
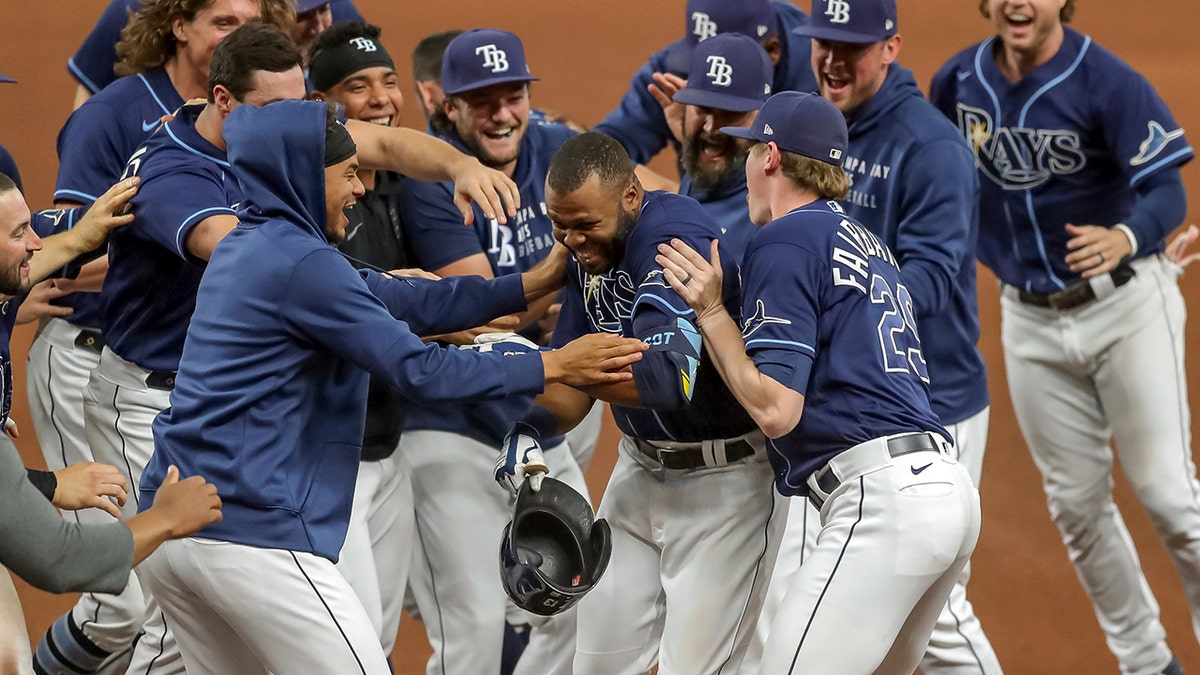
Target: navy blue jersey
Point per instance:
(726, 203)
(8, 167)
(150, 290)
(827, 315)
(439, 238)
(633, 299)
(914, 186)
(92, 64)
(1069, 143)
(638, 123)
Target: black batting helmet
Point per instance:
(554, 550)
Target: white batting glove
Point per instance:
(521, 458)
(505, 343)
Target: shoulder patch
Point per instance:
(1157, 139)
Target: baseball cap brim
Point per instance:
(480, 84)
(838, 35)
(717, 100)
(5, 78)
(741, 132)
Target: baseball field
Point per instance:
(1023, 586)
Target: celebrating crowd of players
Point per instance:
(328, 324)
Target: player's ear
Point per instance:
(774, 49)
(891, 49)
(177, 30)
(223, 99)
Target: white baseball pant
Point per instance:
(690, 563)
(1112, 370)
(248, 610)
(892, 545)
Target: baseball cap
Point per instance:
(855, 21)
(483, 57)
(303, 6)
(729, 72)
(799, 123)
(708, 18)
(5, 78)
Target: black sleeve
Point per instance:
(45, 481)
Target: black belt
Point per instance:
(897, 446)
(1077, 295)
(89, 339)
(161, 379)
(692, 457)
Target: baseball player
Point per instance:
(911, 185)
(689, 499)
(1079, 163)
(93, 64)
(427, 78)
(729, 79)
(350, 66)
(486, 82)
(271, 397)
(638, 121)
(828, 362)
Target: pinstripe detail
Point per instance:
(133, 482)
(441, 652)
(162, 643)
(862, 497)
(300, 567)
(766, 537)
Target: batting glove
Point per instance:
(521, 458)
(505, 343)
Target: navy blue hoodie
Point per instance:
(270, 400)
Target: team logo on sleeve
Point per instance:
(1158, 139)
(1019, 158)
(760, 319)
(608, 299)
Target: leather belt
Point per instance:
(161, 379)
(897, 446)
(1076, 295)
(692, 456)
(89, 339)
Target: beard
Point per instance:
(486, 157)
(705, 175)
(11, 281)
(616, 248)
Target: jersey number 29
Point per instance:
(898, 339)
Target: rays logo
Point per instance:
(608, 299)
(363, 44)
(1158, 139)
(760, 319)
(703, 27)
(719, 71)
(493, 57)
(1018, 158)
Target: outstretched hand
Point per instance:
(664, 88)
(89, 484)
(695, 279)
(105, 214)
(494, 192)
(595, 358)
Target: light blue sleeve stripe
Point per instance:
(88, 199)
(83, 79)
(1159, 164)
(763, 342)
(654, 299)
(199, 215)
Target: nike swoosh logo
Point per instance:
(918, 469)
(151, 125)
(963, 74)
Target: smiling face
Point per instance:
(710, 157)
(18, 242)
(370, 95)
(196, 40)
(1031, 29)
(310, 24)
(342, 190)
(594, 221)
(492, 121)
(849, 74)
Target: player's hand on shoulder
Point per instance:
(1096, 250)
(106, 213)
(187, 505)
(695, 279)
(664, 88)
(90, 484)
(520, 459)
(595, 358)
(1177, 249)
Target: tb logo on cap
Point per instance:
(493, 57)
(703, 26)
(363, 44)
(838, 11)
(719, 71)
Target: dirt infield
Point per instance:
(1023, 586)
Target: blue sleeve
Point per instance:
(935, 235)
(461, 302)
(169, 204)
(434, 226)
(344, 10)
(55, 221)
(638, 123)
(91, 153)
(8, 167)
(92, 64)
(326, 302)
(1161, 205)
(781, 286)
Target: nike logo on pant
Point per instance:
(918, 469)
